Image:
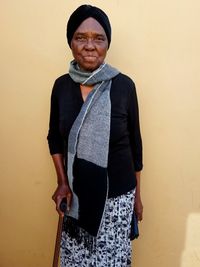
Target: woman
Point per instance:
(95, 142)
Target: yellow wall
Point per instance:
(157, 43)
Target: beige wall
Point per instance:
(155, 42)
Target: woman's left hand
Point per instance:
(138, 207)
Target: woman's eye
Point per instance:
(100, 38)
(80, 38)
(97, 39)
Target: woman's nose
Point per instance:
(89, 44)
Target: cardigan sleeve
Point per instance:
(134, 129)
(55, 139)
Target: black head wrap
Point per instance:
(83, 12)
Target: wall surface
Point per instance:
(156, 43)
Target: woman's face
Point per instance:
(89, 45)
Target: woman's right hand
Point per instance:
(62, 191)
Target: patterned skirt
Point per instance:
(113, 245)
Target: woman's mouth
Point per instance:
(89, 58)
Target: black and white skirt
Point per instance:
(113, 245)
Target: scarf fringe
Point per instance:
(71, 228)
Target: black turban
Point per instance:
(83, 12)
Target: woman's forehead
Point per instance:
(90, 25)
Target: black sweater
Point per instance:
(125, 147)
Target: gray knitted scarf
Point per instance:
(88, 146)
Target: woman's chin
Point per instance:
(89, 66)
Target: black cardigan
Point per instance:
(125, 147)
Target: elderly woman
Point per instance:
(95, 142)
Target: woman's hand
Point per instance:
(138, 202)
(138, 207)
(62, 191)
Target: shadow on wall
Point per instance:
(170, 231)
(191, 253)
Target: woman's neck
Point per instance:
(85, 90)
